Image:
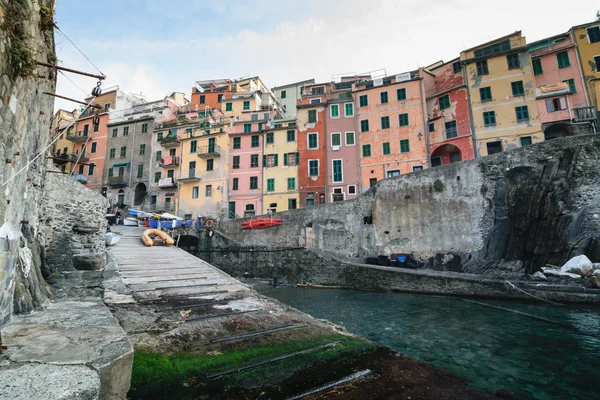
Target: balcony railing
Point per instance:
(80, 178)
(118, 181)
(63, 158)
(192, 176)
(169, 141)
(167, 182)
(169, 161)
(209, 151)
(78, 139)
(585, 114)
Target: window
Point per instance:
(228, 106)
(596, 61)
(123, 151)
(253, 182)
(85, 130)
(192, 169)
(364, 100)
(337, 171)
(270, 185)
(106, 106)
(403, 119)
(270, 138)
(195, 192)
(431, 127)
(594, 34)
(202, 99)
(444, 102)
(386, 148)
(254, 117)
(537, 66)
(313, 167)
(364, 125)
(255, 141)
(385, 122)
(350, 139)
(219, 98)
(158, 155)
(237, 142)
(283, 94)
(193, 146)
(451, 130)
(336, 139)
(292, 204)
(291, 158)
(112, 153)
(142, 149)
(351, 189)
(571, 83)
(291, 183)
(517, 88)
(126, 131)
(94, 145)
(312, 116)
(157, 176)
(236, 162)
(456, 67)
(485, 94)
(401, 94)
(513, 61)
(170, 173)
(522, 113)
(310, 202)
(236, 183)
(557, 104)
(144, 128)
(482, 68)
(313, 141)
(335, 111)
(563, 59)
(489, 118)
(111, 173)
(392, 173)
(247, 128)
(210, 164)
(493, 49)
(270, 160)
(494, 147)
(159, 136)
(525, 141)
(208, 191)
(91, 169)
(366, 150)
(140, 171)
(384, 97)
(348, 110)
(404, 146)
(115, 131)
(246, 105)
(417, 168)
(254, 161)
(95, 128)
(315, 101)
(291, 136)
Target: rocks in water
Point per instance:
(88, 262)
(580, 265)
(559, 273)
(538, 275)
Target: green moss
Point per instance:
(438, 186)
(46, 18)
(21, 58)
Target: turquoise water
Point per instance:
(492, 349)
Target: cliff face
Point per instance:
(538, 205)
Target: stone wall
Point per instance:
(539, 204)
(25, 124)
(74, 225)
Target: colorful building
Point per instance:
(502, 95)
(209, 94)
(448, 114)
(311, 139)
(280, 166)
(62, 149)
(559, 87)
(288, 95)
(391, 122)
(587, 39)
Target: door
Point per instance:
(436, 161)
(232, 209)
(372, 182)
(455, 157)
(211, 145)
(121, 171)
(172, 152)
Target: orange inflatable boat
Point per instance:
(148, 242)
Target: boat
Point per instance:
(261, 223)
(148, 241)
(112, 238)
(129, 221)
(134, 213)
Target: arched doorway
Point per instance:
(558, 130)
(445, 154)
(140, 193)
(121, 198)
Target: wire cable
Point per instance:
(82, 53)
(69, 79)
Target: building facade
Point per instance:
(587, 39)
(62, 150)
(288, 95)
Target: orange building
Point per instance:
(210, 93)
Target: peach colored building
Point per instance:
(211, 93)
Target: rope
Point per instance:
(539, 298)
(86, 57)
(74, 84)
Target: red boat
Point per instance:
(261, 223)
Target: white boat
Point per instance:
(129, 221)
(112, 238)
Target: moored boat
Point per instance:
(112, 238)
(261, 223)
(129, 221)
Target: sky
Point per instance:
(156, 47)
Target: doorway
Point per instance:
(139, 194)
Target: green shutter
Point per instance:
(276, 159)
(264, 160)
(285, 160)
(297, 158)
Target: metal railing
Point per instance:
(191, 175)
(585, 114)
(169, 141)
(80, 178)
(169, 161)
(209, 150)
(120, 180)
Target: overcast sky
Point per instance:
(157, 47)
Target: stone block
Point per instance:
(88, 262)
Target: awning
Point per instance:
(121, 164)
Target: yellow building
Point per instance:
(280, 167)
(62, 149)
(587, 38)
(501, 88)
(203, 187)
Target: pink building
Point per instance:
(559, 87)
(343, 179)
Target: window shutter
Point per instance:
(276, 159)
(549, 106)
(264, 160)
(563, 103)
(297, 158)
(285, 160)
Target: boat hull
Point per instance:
(130, 222)
(261, 223)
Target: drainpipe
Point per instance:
(569, 108)
(473, 136)
(424, 111)
(132, 193)
(357, 141)
(326, 148)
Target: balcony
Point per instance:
(209, 151)
(118, 181)
(166, 183)
(169, 161)
(80, 178)
(192, 176)
(63, 158)
(583, 114)
(78, 139)
(170, 141)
